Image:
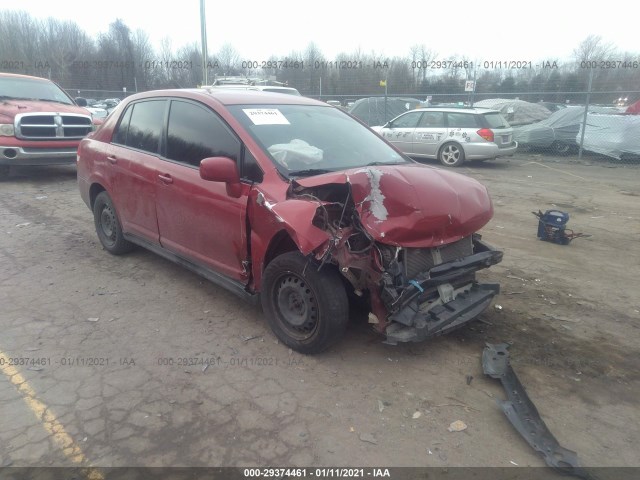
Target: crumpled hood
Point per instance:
(10, 108)
(413, 205)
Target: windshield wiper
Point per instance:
(375, 164)
(309, 171)
(9, 97)
(51, 100)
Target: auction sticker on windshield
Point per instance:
(266, 116)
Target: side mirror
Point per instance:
(81, 102)
(222, 169)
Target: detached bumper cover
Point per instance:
(416, 317)
(442, 318)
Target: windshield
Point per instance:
(307, 139)
(19, 88)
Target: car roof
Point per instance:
(30, 77)
(231, 96)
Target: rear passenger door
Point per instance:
(132, 163)
(197, 219)
(429, 134)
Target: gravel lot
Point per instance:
(122, 344)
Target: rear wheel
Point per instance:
(561, 148)
(108, 226)
(307, 309)
(451, 155)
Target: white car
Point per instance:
(451, 135)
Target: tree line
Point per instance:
(122, 59)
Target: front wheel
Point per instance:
(307, 309)
(108, 226)
(451, 155)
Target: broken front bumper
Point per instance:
(445, 299)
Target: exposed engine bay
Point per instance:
(414, 292)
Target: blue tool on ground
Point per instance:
(552, 227)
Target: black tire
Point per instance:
(108, 226)
(306, 309)
(451, 154)
(561, 148)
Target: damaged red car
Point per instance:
(291, 202)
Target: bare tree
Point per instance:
(229, 59)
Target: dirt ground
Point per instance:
(122, 344)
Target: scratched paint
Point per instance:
(375, 197)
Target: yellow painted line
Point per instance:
(49, 421)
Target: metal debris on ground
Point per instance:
(524, 416)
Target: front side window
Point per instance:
(145, 126)
(195, 133)
(408, 120)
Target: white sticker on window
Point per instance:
(266, 116)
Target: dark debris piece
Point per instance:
(524, 416)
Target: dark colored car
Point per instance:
(289, 201)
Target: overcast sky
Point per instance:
(480, 30)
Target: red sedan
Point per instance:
(294, 203)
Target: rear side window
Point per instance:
(195, 133)
(496, 120)
(145, 126)
(120, 134)
(462, 120)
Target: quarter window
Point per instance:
(195, 133)
(145, 126)
(120, 134)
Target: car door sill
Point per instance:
(222, 280)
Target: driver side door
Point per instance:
(400, 131)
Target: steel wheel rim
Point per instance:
(108, 223)
(296, 306)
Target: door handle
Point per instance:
(165, 178)
(113, 160)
